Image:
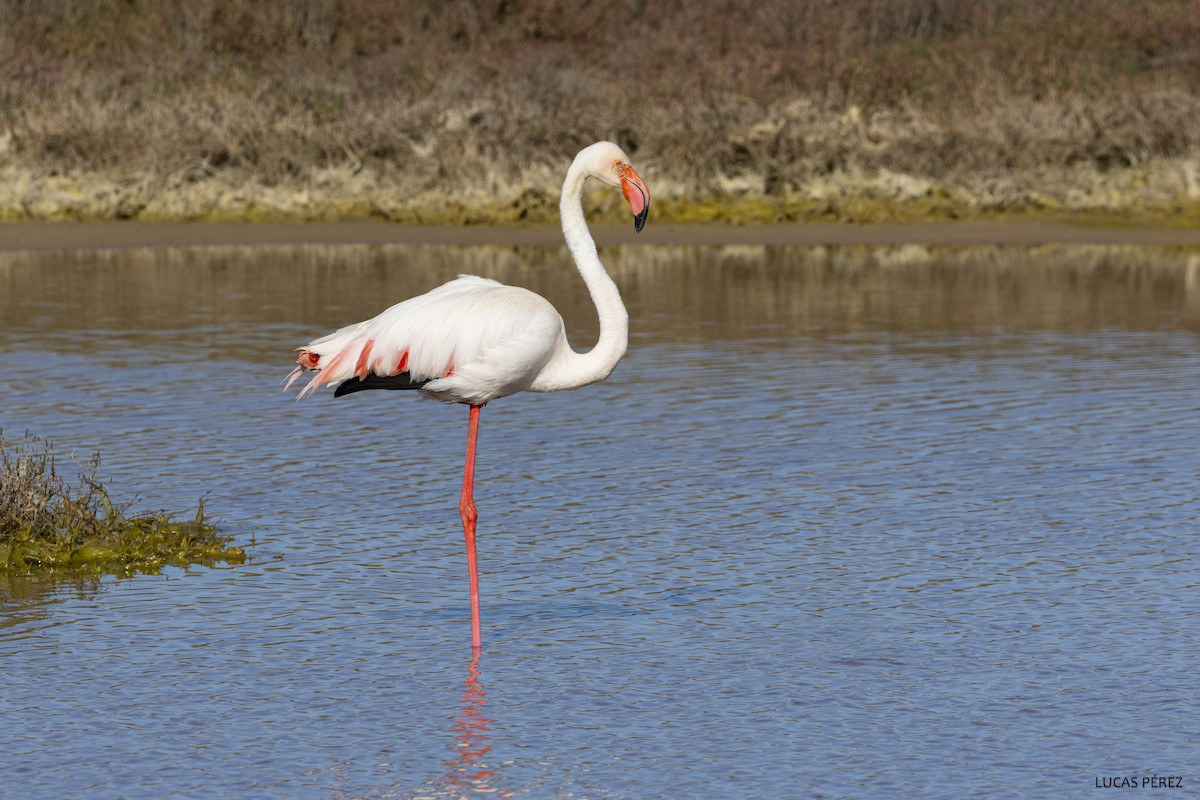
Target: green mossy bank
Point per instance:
(50, 524)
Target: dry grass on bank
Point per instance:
(470, 110)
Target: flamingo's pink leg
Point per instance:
(466, 509)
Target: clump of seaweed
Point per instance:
(48, 522)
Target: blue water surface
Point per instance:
(842, 525)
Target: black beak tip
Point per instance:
(639, 221)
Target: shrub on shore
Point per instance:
(49, 523)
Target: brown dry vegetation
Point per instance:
(469, 111)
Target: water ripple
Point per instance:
(809, 547)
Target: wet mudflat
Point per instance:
(846, 522)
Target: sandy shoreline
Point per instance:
(43, 236)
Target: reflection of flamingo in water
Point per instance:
(473, 340)
(472, 739)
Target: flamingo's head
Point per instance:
(608, 163)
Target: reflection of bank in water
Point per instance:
(249, 302)
(27, 601)
(472, 740)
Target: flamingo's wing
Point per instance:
(469, 340)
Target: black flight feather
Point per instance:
(373, 381)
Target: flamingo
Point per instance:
(474, 340)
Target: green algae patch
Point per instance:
(48, 523)
(1179, 213)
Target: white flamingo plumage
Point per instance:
(473, 340)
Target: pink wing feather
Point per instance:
(473, 339)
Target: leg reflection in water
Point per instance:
(472, 739)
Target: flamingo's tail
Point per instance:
(334, 359)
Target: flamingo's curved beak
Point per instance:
(636, 194)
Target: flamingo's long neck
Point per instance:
(581, 369)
